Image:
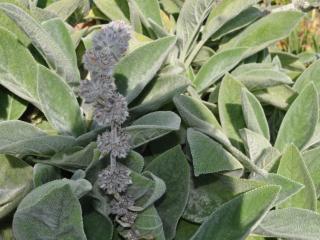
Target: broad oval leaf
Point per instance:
(290, 223)
(18, 69)
(209, 192)
(47, 44)
(209, 156)
(172, 204)
(300, 120)
(138, 68)
(266, 31)
(253, 114)
(293, 166)
(58, 103)
(230, 110)
(238, 217)
(152, 126)
(15, 183)
(54, 199)
(218, 65)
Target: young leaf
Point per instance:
(172, 204)
(150, 10)
(149, 224)
(257, 79)
(11, 107)
(218, 65)
(152, 126)
(46, 43)
(310, 75)
(266, 31)
(138, 68)
(156, 191)
(255, 144)
(18, 69)
(112, 9)
(58, 103)
(185, 230)
(253, 114)
(133, 161)
(209, 156)
(288, 186)
(42, 146)
(159, 92)
(191, 17)
(9, 24)
(43, 173)
(15, 183)
(244, 19)
(64, 8)
(290, 223)
(60, 34)
(311, 158)
(230, 109)
(73, 158)
(278, 96)
(293, 166)
(302, 117)
(15, 131)
(97, 226)
(195, 114)
(54, 199)
(225, 11)
(238, 217)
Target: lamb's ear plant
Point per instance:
(156, 120)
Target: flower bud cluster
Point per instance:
(110, 109)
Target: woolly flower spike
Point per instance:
(132, 234)
(128, 219)
(99, 85)
(99, 62)
(121, 205)
(113, 181)
(113, 38)
(115, 143)
(110, 109)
